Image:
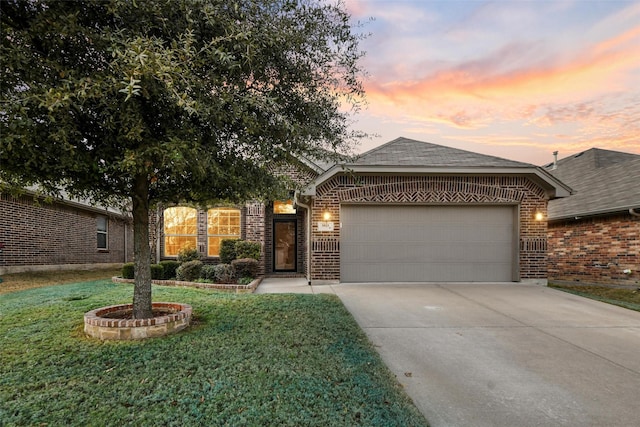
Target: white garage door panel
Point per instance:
(427, 243)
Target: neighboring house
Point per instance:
(407, 211)
(594, 235)
(64, 234)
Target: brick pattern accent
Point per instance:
(37, 233)
(253, 226)
(429, 190)
(595, 250)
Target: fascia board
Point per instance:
(553, 186)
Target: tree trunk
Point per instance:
(141, 251)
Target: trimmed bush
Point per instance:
(246, 249)
(228, 250)
(157, 272)
(188, 254)
(189, 271)
(128, 271)
(245, 281)
(208, 272)
(245, 267)
(225, 273)
(169, 269)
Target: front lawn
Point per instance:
(627, 298)
(295, 360)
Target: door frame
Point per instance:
(294, 221)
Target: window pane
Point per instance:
(214, 246)
(219, 221)
(222, 223)
(173, 244)
(102, 241)
(102, 223)
(180, 220)
(283, 207)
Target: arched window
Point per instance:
(222, 223)
(180, 229)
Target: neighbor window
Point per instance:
(283, 207)
(180, 229)
(222, 223)
(103, 230)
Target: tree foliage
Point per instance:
(171, 101)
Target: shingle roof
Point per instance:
(603, 181)
(409, 152)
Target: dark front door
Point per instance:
(284, 245)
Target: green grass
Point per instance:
(281, 360)
(627, 298)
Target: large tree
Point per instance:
(156, 101)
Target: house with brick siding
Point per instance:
(594, 235)
(62, 234)
(407, 211)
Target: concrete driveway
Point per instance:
(504, 354)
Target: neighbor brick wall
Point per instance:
(40, 233)
(430, 190)
(595, 250)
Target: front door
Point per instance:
(284, 245)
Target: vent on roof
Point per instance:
(578, 155)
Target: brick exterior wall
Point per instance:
(595, 250)
(256, 226)
(39, 234)
(429, 190)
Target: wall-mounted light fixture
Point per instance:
(538, 216)
(326, 215)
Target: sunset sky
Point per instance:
(516, 79)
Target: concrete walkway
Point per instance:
(501, 354)
(274, 285)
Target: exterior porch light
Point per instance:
(538, 216)
(326, 215)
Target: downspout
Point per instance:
(633, 212)
(297, 202)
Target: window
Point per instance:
(283, 207)
(222, 223)
(180, 229)
(103, 230)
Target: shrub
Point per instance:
(245, 267)
(157, 272)
(169, 269)
(128, 271)
(224, 273)
(246, 249)
(189, 271)
(188, 254)
(228, 250)
(208, 273)
(245, 281)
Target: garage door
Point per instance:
(427, 243)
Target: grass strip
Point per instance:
(285, 360)
(626, 298)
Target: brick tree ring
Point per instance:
(114, 322)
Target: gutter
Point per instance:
(297, 202)
(633, 212)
